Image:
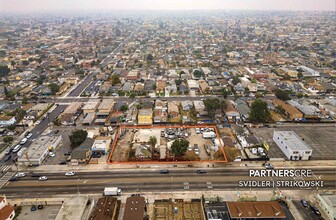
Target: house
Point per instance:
(139, 87)
(82, 153)
(187, 105)
(193, 85)
(6, 211)
(182, 88)
(171, 87)
(204, 87)
(231, 113)
(127, 87)
(291, 112)
(149, 85)
(101, 145)
(200, 108)
(292, 145)
(133, 75)
(243, 109)
(173, 74)
(145, 116)
(7, 120)
(160, 86)
(173, 109)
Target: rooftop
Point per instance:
(134, 208)
(292, 140)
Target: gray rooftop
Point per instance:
(292, 140)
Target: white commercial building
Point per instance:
(39, 150)
(292, 145)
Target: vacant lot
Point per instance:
(47, 213)
(320, 138)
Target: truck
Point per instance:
(209, 135)
(112, 191)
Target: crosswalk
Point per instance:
(4, 168)
(4, 179)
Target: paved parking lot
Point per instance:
(307, 214)
(47, 213)
(320, 138)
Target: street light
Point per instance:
(78, 186)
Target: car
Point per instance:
(38, 122)
(29, 135)
(33, 208)
(268, 166)
(304, 203)
(13, 179)
(35, 175)
(20, 175)
(7, 158)
(16, 148)
(23, 141)
(62, 163)
(52, 154)
(56, 131)
(164, 171)
(201, 171)
(8, 151)
(71, 173)
(43, 178)
(40, 207)
(315, 210)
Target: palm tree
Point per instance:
(152, 142)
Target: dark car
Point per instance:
(13, 179)
(315, 210)
(164, 171)
(62, 163)
(304, 203)
(40, 206)
(56, 131)
(201, 171)
(33, 208)
(7, 158)
(35, 175)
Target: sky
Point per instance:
(54, 5)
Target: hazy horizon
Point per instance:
(77, 5)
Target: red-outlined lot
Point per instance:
(114, 144)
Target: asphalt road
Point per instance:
(78, 90)
(37, 130)
(141, 180)
(306, 214)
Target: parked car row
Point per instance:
(312, 207)
(20, 175)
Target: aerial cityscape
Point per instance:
(167, 110)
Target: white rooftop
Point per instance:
(292, 140)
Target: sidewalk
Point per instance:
(235, 165)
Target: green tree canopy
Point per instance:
(150, 57)
(179, 147)
(198, 73)
(114, 79)
(152, 141)
(4, 70)
(211, 105)
(124, 108)
(281, 94)
(77, 137)
(259, 111)
(235, 80)
(54, 88)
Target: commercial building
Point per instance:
(101, 145)
(145, 116)
(327, 203)
(7, 120)
(135, 208)
(6, 211)
(88, 118)
(106, 106)
(255, 210)
(292, 145)
(39, 150)
(90, 106)
(107, 208)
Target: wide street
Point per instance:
(148, 180)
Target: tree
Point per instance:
(150, 57)
(77, 137)
(211, 105)
(124, 108)
(4, 70)
(25, 100)
(282, 95)
(8, 139)
(299, 75)
(132, 95)
(152, 141)
(225, 93)
(54, 88)
(198, 73)
(11, 127)
(259, 111)
(300, 95)
(25, 62)
(179, 147)
(19, 114)
(114, 79)
(235, 80)
(79, 72)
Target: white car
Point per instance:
(43, 178)
(51, 154)
(70, 173)
(38, 122)
(20, 175)
(23, 141)
(29, 135)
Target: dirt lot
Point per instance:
(321, 138)
(122, 149)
